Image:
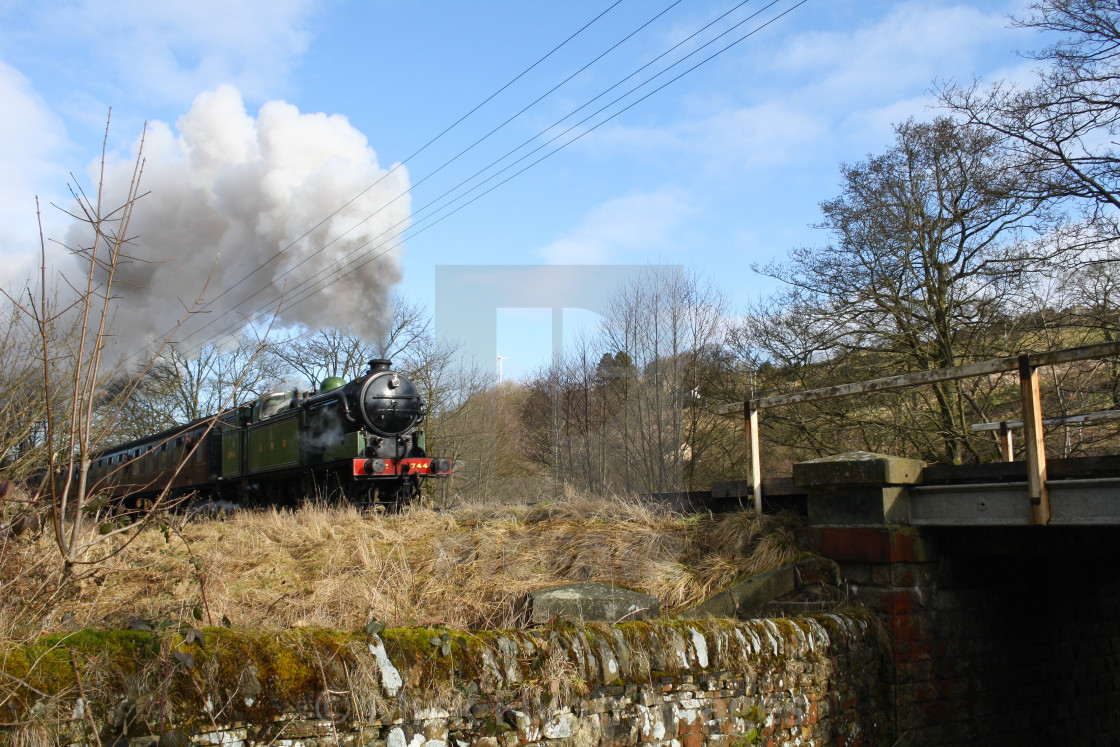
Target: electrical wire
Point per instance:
(335, 266)
(399, 165)
(526, 108)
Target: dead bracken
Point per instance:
(333, 567)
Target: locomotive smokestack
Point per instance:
(379, 364)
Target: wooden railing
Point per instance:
(1004, 427)
(1026, 364)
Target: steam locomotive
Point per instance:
(359, 440)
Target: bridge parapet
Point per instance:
(864, 489)
(858, 488)
(997, 632)
(1027, 366)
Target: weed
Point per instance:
(318, 566)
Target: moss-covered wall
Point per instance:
(810, 681)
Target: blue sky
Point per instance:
(723, 168)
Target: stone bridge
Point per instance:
(999, 631)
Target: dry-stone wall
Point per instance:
(800, 681)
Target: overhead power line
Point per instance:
(302, 292)
(413, 155)
(211, 321)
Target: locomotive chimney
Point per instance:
(379, 364)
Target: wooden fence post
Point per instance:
(1006, 443)
(1033, 441)
(750, 427)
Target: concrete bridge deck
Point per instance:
(867, 489)
(1083, 492)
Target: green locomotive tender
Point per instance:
(359, 439)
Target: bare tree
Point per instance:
(81, 418)
(564, 417)
(215, 376)
(1080, 306)
(931, 248)
(626, 408)
(23, 405)
(340, 351)
(666, 323)
(318, 354)
(410, 330)
(144, 401)
(73, 436)
(1061, 130)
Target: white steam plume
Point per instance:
(248, 188)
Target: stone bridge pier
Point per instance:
(993, 631)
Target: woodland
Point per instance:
(989, 229)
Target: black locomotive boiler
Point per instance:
(360, 440)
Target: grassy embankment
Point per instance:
(330, 567)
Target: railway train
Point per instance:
(360, 440)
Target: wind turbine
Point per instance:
(500, 359)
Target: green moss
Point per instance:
(754, 714)
(412, 650)
(256, 676)
(423, 662)
(750, 739)
(280, 671)
(127, 642)
(46, 666)
(261, 674)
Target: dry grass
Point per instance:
(470, 566)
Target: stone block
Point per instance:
(591, 602)
(816, 570)
(741, 597)
(858, 505)
(913, 574)
(857, 468)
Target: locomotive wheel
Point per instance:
(325, 486)
(400, 494)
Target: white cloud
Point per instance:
(864, 81)
(743, 137)
(822, 91)
(171, 49)
(906, 49)
(32, 140)
(626, 229)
